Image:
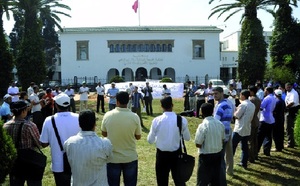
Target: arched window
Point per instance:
(147, 48)
(111, 47)
(117, 48)
(128, 49)
(164, 48)
(123, 48)
(158, 48)
(152, 48)
(169, 48)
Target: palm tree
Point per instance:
(252, 51)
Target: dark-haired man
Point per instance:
(292, 105)
(264, 135)
(165, 133)
(242, 129)
(122, 127)
(88, 153)
(67, 125)
(209, 139)
(254, 124)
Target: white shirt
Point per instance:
(100, 90)
(70, 92)
(292, 96)
(88, 155)
(244, 114)
(55, 93)
(239, 85)
(13, 90)
(165, 92)
(67, 125)
(260, 94)
(165, 133)
(84, 93)
(35, 98)
(210, 134)
(29, 91)
(208, 91)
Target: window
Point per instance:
(123, 48)
(147, 48)
(111, 48)
(158, 48)
(128, 49)
(117, 48)
(82, 50)
(198, 49)
(164, 48)
(169, 48)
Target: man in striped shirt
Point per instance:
(223, 112)
(209, 139)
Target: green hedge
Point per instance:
(297, 129)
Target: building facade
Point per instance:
(139, 53)
(229, 53)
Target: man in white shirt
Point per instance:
(36, 110)
(84, 96)
(242, 129)
(70, 92)
(292, 104)
(165, 133)
(88, 153)
(67, 125)
(209, 139)
(129, 90)
(30, 89)
(13, 90)
(166, 92)
(209, 93)
(260, 93)
(100, 97)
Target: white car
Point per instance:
(217, 83)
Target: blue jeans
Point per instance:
(130, 172)
(236, 138)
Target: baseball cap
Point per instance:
(113, 83)
(62, 99)
(278, 92)
(202, 84)
(7, 96)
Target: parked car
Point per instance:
(217, 83)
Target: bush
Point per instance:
(297, 129)
(116, 79)
(8, 153)
(166, 80)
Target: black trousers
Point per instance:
(278, 133)
(290, 123)
(264, 137)
(148, 104)
(100, 98)
(199, 103)
(166, 162)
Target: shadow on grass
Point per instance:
(281, 168)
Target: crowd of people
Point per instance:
(258, 116)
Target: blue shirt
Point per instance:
(267, 107)
(192, 90)
(112, 92)
(5, 109)
(136, 97)
(224, 113)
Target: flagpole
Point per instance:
(139, 8)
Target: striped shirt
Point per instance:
(210, 135)
(224, 113)
(88, 155)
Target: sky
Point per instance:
(96, 13)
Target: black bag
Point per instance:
(29, 164)
(185, 163)
(67, 167)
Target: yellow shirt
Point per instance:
(121, 126)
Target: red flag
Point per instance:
(135, 5)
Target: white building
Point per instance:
(229, 55)
(137, 53)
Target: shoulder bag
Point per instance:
(67, 167)
(30, 164)
(185, 163)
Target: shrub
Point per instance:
(166, 80)
(116, 79)
(297, 129)
(8, 153)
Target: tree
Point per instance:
(8, 153)
(31, 59)
(252, 51)
(285, 42)
(6, 60)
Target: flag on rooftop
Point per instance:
(135, 5)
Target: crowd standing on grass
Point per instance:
(258, 114)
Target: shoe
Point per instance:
(241, 165)
(289, 146)
(276, 150)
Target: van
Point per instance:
(217, 83)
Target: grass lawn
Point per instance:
(281, 168)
